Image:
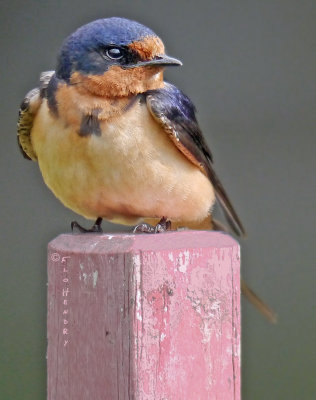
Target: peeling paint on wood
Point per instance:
(144, 317)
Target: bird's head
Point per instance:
(113, 57)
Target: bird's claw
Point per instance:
(144, 228)
(162, 226)
(96, 228)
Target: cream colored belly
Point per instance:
(130, 172)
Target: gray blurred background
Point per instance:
(248, 67)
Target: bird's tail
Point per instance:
(260, 305)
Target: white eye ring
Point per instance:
(114, 53)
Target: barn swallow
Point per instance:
(114, 140)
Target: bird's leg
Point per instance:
(162, 226)
(96, 228)
(97, 225)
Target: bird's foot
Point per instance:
(96, 228)
(162, 226)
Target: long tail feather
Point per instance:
(259, 304)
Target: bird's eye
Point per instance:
(114, 53)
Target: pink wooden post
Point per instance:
(144, 317)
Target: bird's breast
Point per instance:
(130, 170)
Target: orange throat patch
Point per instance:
(119, 82)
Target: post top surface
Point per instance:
(122, 242)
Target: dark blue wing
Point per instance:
(176, 113)
(27, 112)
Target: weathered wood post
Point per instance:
(144, 317)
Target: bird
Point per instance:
(114, 141)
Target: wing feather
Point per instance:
(175, 112)
(27, 112)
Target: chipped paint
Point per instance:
(138, 306)
(136, 264)
(95, 278)
(206, 331)
(85, 277)
(88, 277)
(184, 260)
(162, 336)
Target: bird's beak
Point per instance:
(159, 61)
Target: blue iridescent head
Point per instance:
(111, 42)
